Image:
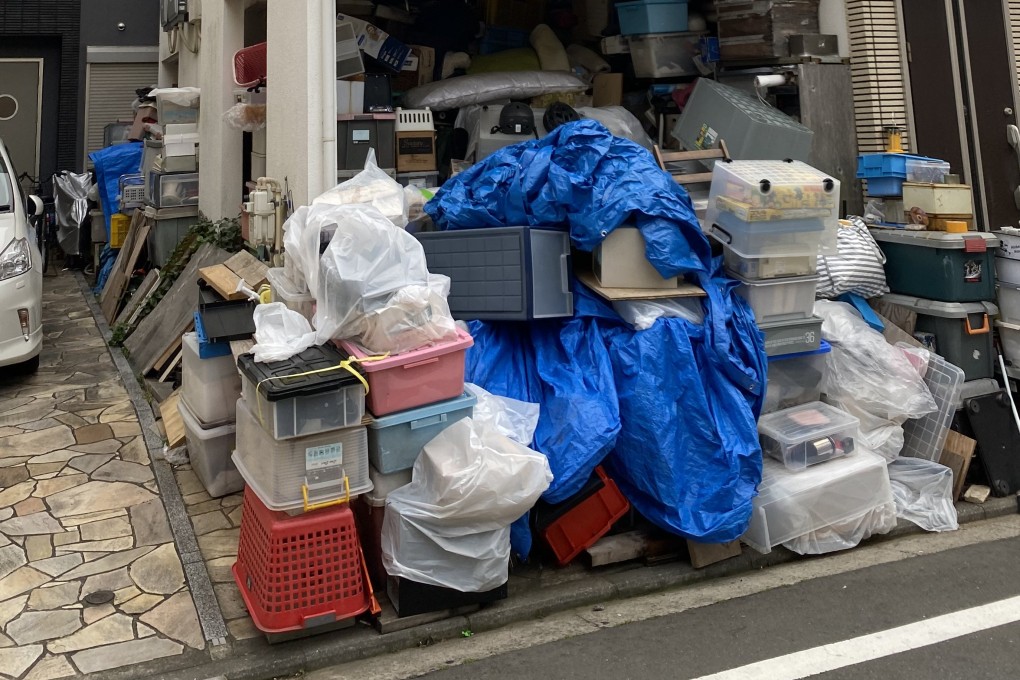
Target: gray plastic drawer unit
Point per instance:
(503, 273)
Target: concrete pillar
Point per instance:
(301, 103)
(222, 34)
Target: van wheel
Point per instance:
(28, 367)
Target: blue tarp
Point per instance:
(110, 163)
(671, 410)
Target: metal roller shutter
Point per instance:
(110, 89)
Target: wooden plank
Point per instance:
(174, 363)
(248, 267)
(614, 294)
(138, 310)
(172, 422)
(163, 327)
(112, 305)
(623, 547)
(704, 554)
(118, 263)
(957, 455)
(141, 293)
(161, 362)
(222, 280)
(693, 178)
(239, 347)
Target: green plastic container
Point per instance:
(962, 330)
(939, 265)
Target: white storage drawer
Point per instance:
(776, 300)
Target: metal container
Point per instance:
(814, 45)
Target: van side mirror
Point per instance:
(34, 206)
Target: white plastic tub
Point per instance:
(209, 450)
(1009, 301)
(286, 291)
(210, 387)
(1009, 333)
(1007, 269)
(776, 300)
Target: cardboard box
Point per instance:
(416, 151)
(350, 97)
(620, 262)
(944, 200)
(615, 44)
(378, 44)
(607, 89)
(418, 69)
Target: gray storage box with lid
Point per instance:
(939, 265)
(394, 441)
(962, 330)
(168, 227)
(503, 273)
(359, 132)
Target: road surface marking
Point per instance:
(877, 645)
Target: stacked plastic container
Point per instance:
(772, 218)
(302, 450)
(412, 397)
(1007, 266)
(210, 385)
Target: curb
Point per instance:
(252, 660)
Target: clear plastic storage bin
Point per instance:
(1009, 334)
(755, 239)
(169, 190)
(291, 407)
(281, 471)
(394, 441)
(423, 376)
(664, 55)
(795, 379)
(286, 291)
(776, 300)
(807, 435)
(1009, 301)
(772, 263)
(792, 504)
(209, 386)
(926, 170)
(792, 337)
(756, 204)
(209, 450)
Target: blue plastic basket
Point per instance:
(885, 186)
(652, 16)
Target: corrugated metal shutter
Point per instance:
(877, 71)
(1014, 28)
(111, 89)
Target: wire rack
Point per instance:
(924, 437)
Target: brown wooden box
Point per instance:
(761, 29)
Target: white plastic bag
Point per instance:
(865, 370)
(450, 526)
(511, 417)
(280, 333)
(373, 286)
(923, 491)
(372, 187)
(642, 314)
(884, 437)
(306, 234)
(846, 534)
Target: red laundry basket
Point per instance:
(303, 571)
(250, 65)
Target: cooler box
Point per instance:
(394, 441)
(962, 330)
(330, 398)
(939, 265)
(209, 386)
(209, 450)
(281, 472)
(503, 273)
(795, 379)
(423, 376)
(791, 504)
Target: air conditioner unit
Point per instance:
(173, 13)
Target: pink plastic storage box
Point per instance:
(423, 376)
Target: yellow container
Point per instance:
(119, 225)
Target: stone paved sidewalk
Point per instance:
(80, 514)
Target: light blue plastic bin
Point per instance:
(652, 16)
(394, 441)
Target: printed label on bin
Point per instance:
(323, 457)
(361, 136)
(972, 271)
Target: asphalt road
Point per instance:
(941, 606)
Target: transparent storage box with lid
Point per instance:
(776, 300)
(209, 386)
(304, 395)
(792, 504)
(286, 291)
(755, 205)
(209, 450)
(772, 262)
(295, 474)
(394, 441)
(807, 435)
(795, 379)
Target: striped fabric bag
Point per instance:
(857, 268)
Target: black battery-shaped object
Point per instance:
(378, 93)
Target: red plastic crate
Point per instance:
(300, 572)
(588, 521)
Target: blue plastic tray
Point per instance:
(206, 349)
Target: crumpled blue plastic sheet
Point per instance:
(672, 410)
(106, 260)
(110, 163)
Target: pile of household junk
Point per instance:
(556, 353)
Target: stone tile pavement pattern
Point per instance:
(80, 513)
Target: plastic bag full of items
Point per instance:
(372, 187)
(511, 417)
(450, 526)
(923, 491)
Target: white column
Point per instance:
(301, 101)
(222, 34)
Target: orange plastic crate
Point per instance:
(586, 522)
(300, 572)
